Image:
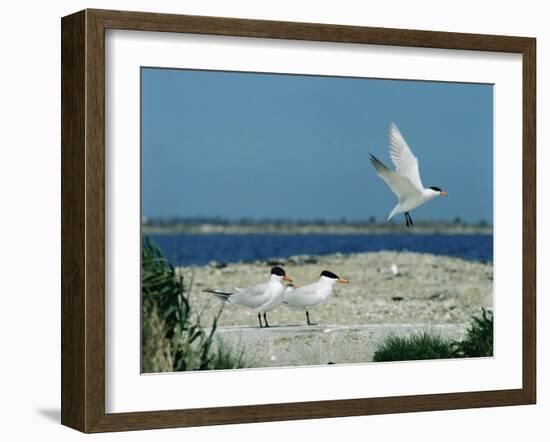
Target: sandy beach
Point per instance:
(385, 287)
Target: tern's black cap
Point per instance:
(278, 271)
(329, 274)
(437, 189)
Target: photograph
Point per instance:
(292, 220)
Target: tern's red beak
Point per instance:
(342, 281)
(286, 278)
(443, 193)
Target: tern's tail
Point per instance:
(220, 295)
(393, 212)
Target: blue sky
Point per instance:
(283, 146)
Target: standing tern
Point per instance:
(405, 181)
(261, 298)
(312, 295)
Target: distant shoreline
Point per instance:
(420, 228)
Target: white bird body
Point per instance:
(405, 180)
(261, 298)
(411, 201)
(310, 295)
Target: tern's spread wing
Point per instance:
(406, 164)
(399, 184)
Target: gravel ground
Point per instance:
(385, 287)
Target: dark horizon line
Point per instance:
(290, 221)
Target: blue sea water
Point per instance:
(199, 249)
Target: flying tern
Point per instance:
(405, 181)
(312, 295)
(261, 298)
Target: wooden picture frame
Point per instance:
(83, 220)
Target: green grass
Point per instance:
(415, 347)
(479, 337)
(172, 338)
(478, 342)
(226, 358)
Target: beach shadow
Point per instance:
(52, 414)
(285, 326)
(255, 327)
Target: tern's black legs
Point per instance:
(260, 320)
(408, 219)
(308, 321)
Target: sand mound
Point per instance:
(386, 287)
